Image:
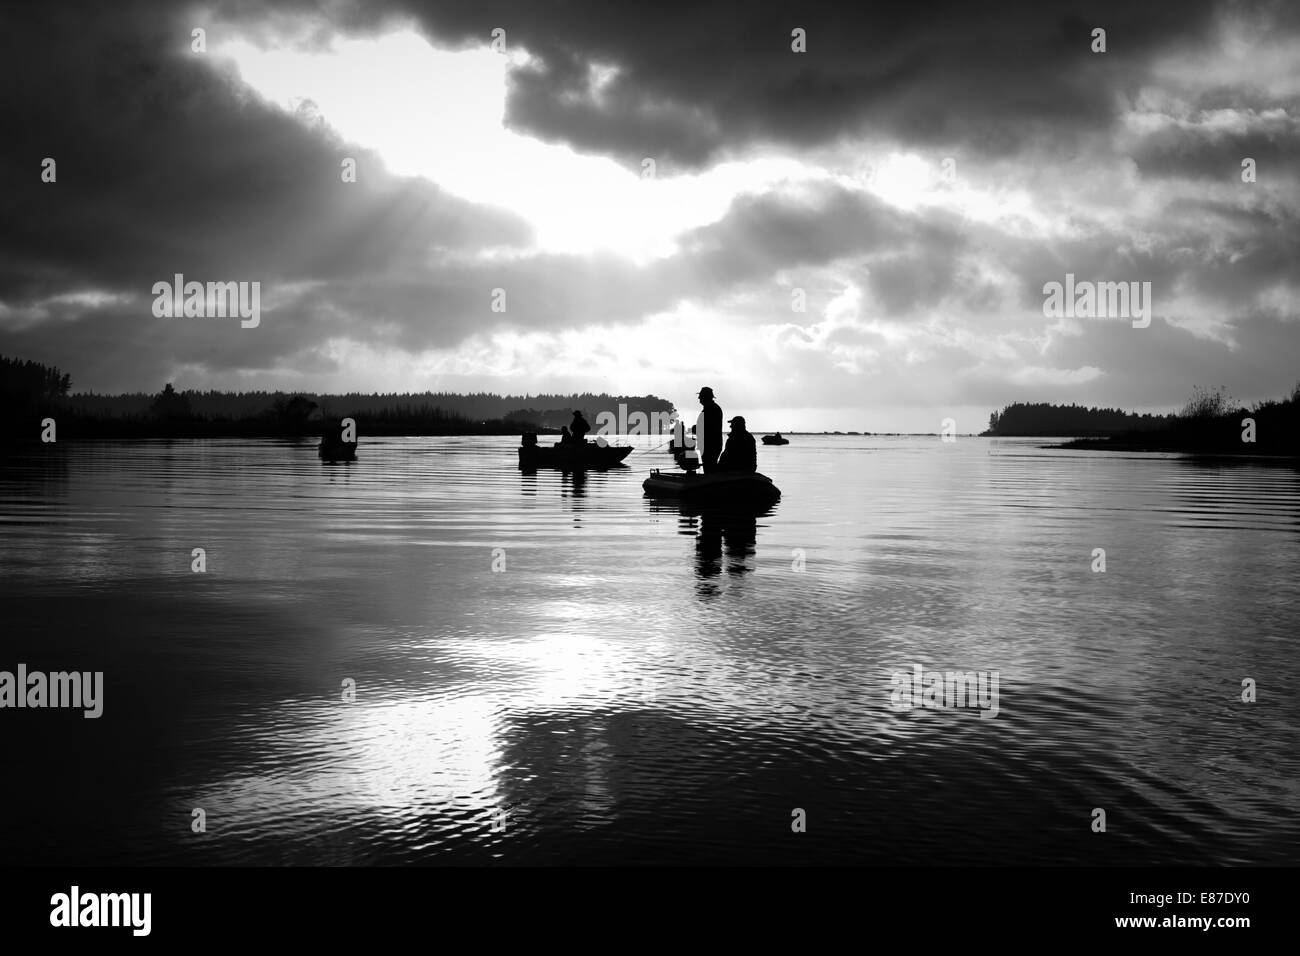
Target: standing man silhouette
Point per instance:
(579, 428)
(708, 431)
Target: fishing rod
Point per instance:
(646, 451)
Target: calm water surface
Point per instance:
(642, 685)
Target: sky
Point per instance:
(648, 198)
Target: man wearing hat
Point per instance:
(741, 455)
(708, 431)
(579, 428)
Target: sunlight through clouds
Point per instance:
(946, 196)
(439, 114)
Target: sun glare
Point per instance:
(439, 114)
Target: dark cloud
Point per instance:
(165, 164)
(700, 80)
(1160, 365)
(1220, 254)
(782, 230)
(1200, 151)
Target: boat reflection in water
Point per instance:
(725, 538)
(572, 484)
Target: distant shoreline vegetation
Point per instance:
(1044, 420)
(30, 392)
(1211, 423)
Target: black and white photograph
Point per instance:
(559, 436)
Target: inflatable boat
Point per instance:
(725, 488)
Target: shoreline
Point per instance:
(1146, 447)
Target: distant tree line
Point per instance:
(1210, 423)
(28, 388)
(479, 406)
(28, 385)
(1042, 419)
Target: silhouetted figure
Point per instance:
(678, 441)
(740, 454)
(688, 458)
(577, 482)
(708, 548)
(565, 437)
(682, 455)
(580, 428)
(739, 536)
(332, 447)
(708, 431)
(724, 532)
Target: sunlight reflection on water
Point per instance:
(640, 684)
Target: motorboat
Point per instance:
(570, 455)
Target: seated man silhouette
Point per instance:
(740, 455)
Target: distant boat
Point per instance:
(776, 439)
(725, 488)
(332, 448)
(570, 456)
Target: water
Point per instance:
(640, 685)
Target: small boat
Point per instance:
(570, 456)
(776, 439)
(333, 448)
(337, 451)
(726, 488)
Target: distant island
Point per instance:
(1211, 423)
(1042, 420)
(30, 392)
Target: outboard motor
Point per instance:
(529, 439)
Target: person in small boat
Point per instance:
(565, 437)
(678, 446)
(740, 454)
(708, 431)
(579, 428)
(678, 443)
